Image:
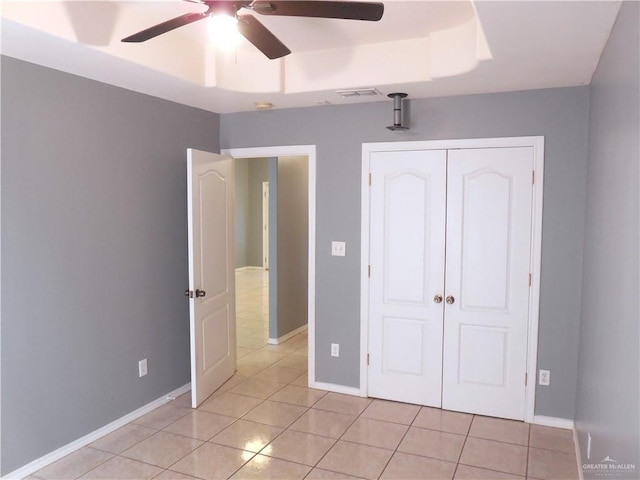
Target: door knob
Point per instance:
(200, 293)
(437, 298)
(450, 300)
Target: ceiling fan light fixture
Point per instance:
(223, 31)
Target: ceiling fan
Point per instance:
(254, 31)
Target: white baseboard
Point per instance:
(57, 454)
(250, 268)
(565, 423)
(331, 387)
(284, 338)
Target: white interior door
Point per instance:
(489, 204)
(407, 274)
(210, 186)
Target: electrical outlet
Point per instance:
(544, 377)
(338, 249)
(335, 349)
(142, 367)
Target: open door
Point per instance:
(210, 191)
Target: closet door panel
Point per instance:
(407, 271)
(489, 195)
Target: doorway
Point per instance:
(289, 153)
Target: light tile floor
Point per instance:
(264, 423)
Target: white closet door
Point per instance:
(407, 271)
(489, 200)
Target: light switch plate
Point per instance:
(338, 249)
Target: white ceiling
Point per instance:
(424, 48)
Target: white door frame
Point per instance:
(537, 143)
(265, 225)
(308, 151)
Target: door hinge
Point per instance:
(533, 177)
(367, 359)
(526, 378)
(188, 293)
(529, 279)
(369, 179)
(369, 270)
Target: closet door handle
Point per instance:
(437, 298)
(450, 300)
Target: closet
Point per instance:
(450, 255)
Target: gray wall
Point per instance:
(250, 173)
(561, 115)
(609, 372)
(292, 245)
(257, 175)
(241, 171)
(94, 253)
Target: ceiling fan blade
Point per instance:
(265, 41)
(165, 27)
(371, 11)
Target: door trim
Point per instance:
(535, 142)
(308, 151)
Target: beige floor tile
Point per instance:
(262, 467)
(262, 356)
(162, 449)
(509, 431)
(375, 433)
(248, 369)
(230, 404)
(162, 416)
(123, 469)
(443, 420)
(247, 435)
(183, 400)
(550, 438)
(252, 332)
(296, 395)
(250, 342)
(235, 380)
(257, 388)
(302, 380)
(171, 475)
(339, 403)
(212, 462)
(550, 465)
(243, 351)
(319, 474)
(294, 361)
(74, 464)
(355, 459)
(275, 414)
(283, 348)
(503, 457)
(123, 438)
(395, 412)
(200, 425)
(404, 466)
(465, 472)
(299, 447)
(278, 374)
(432, 443)
(302, 351)
(320, 422)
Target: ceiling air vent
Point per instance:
(359, 92)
